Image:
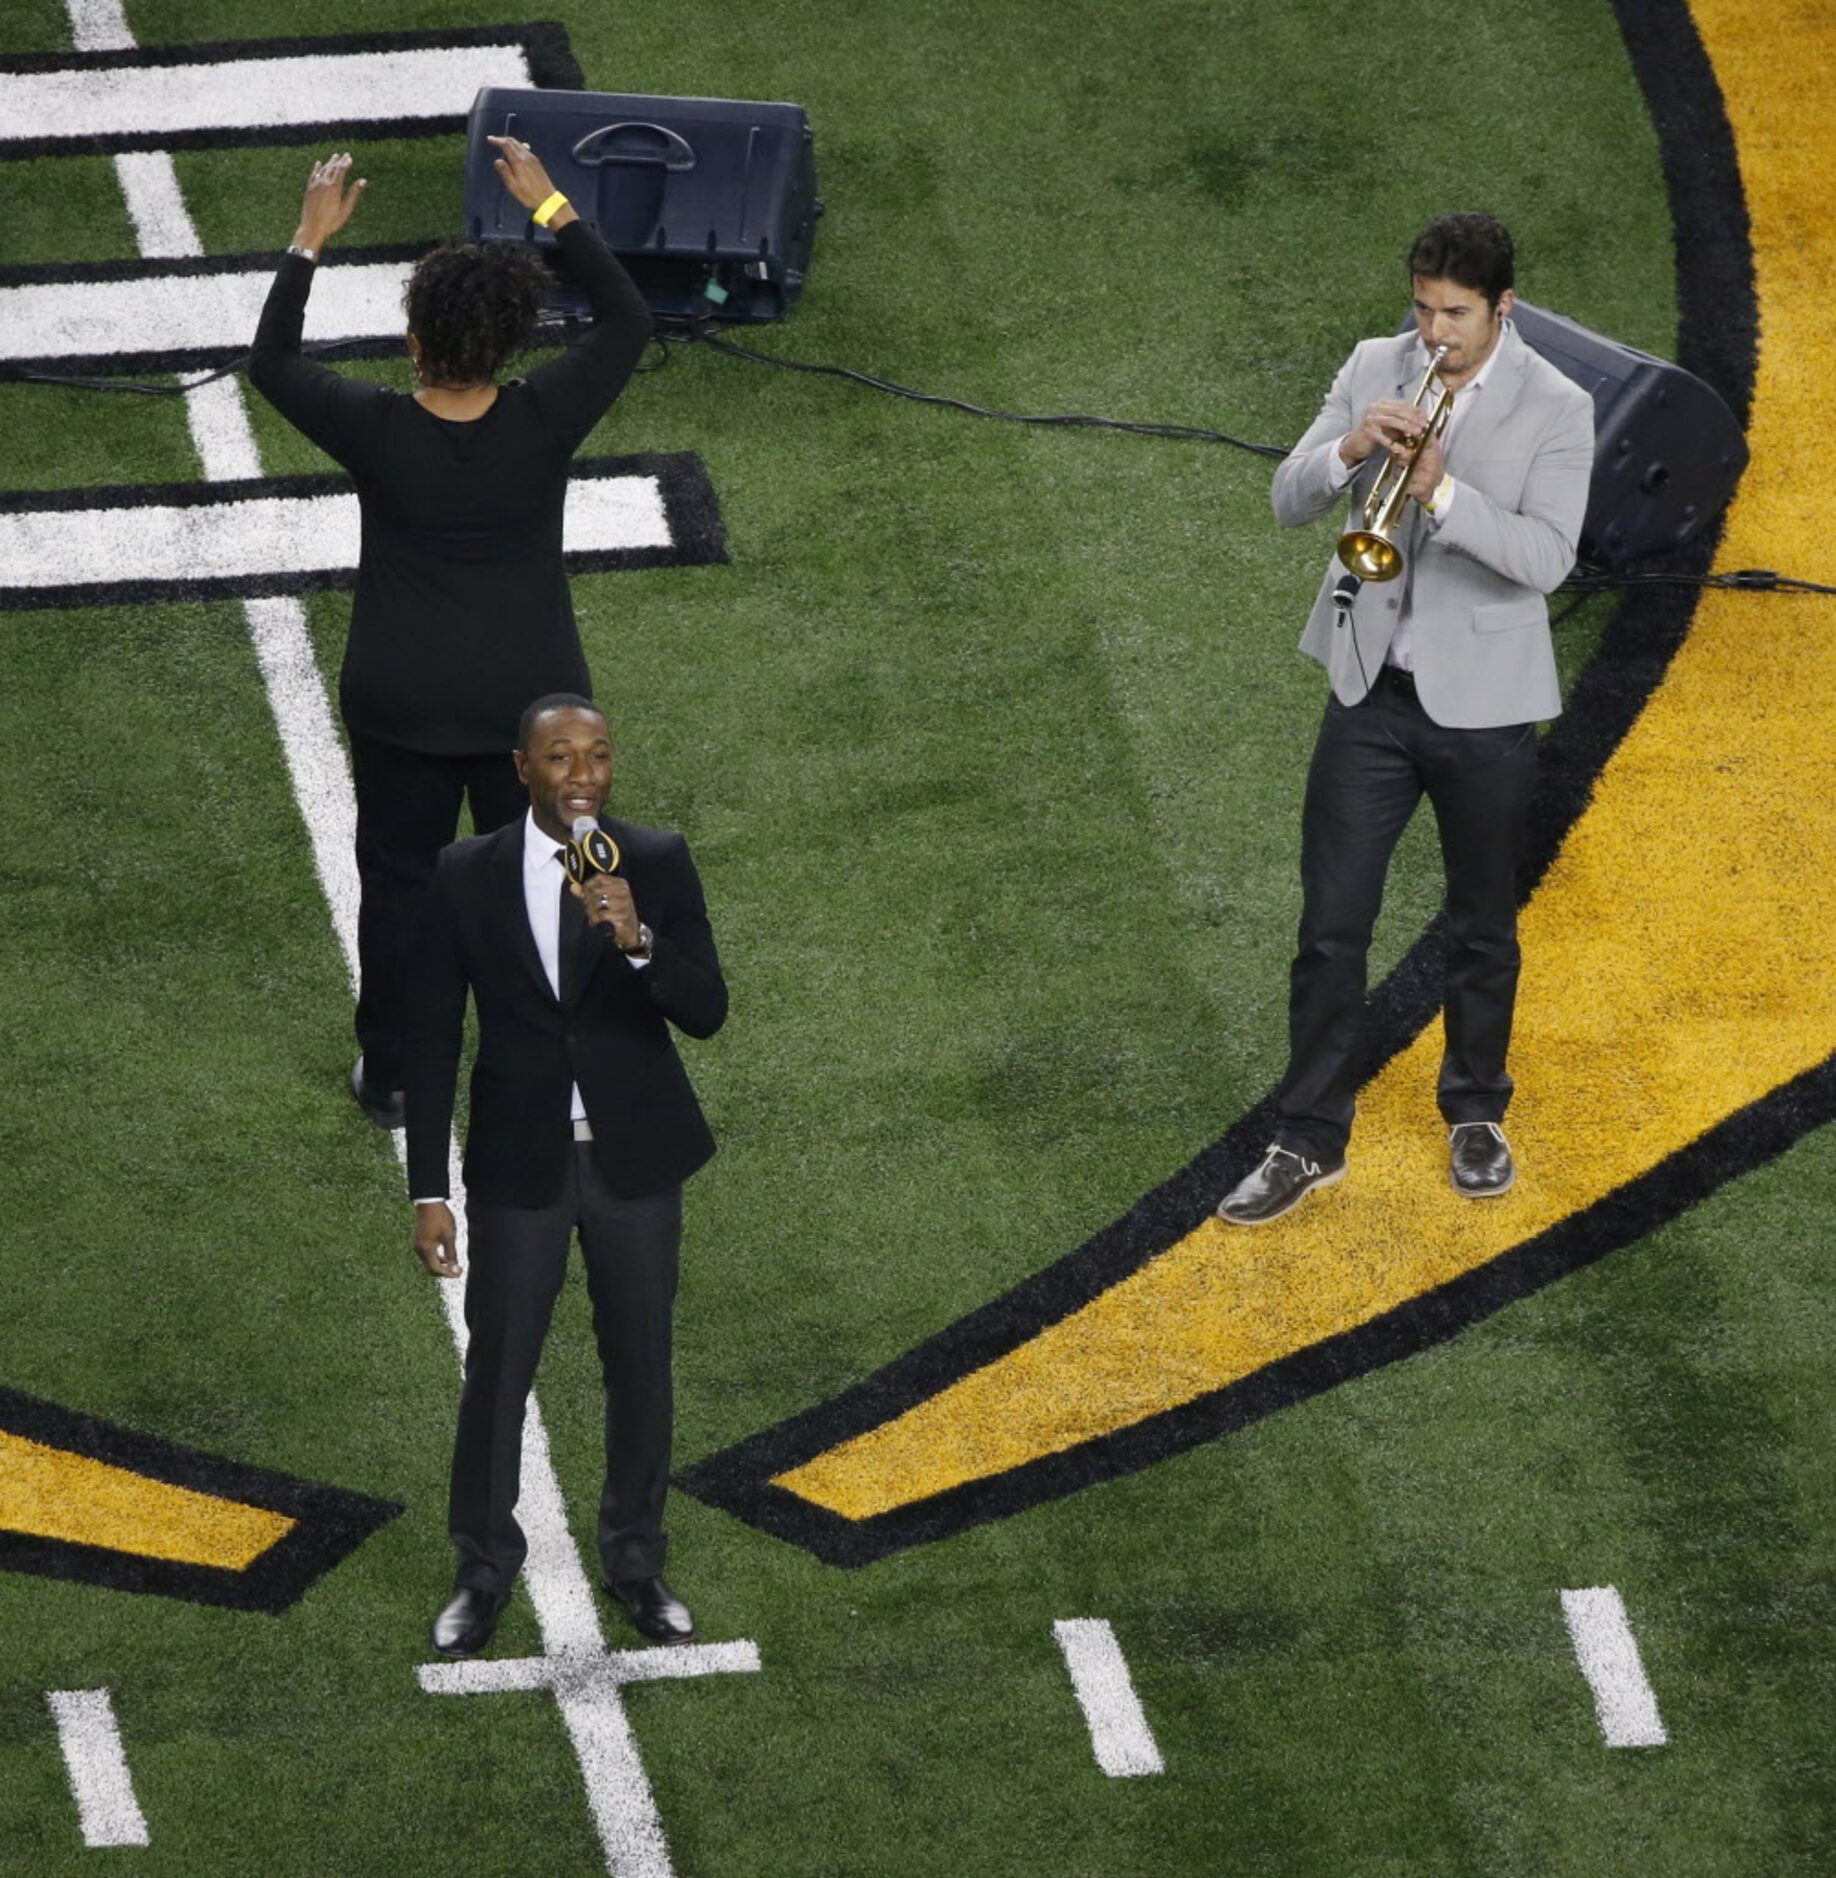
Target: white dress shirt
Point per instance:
(1402, 647)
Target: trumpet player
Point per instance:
(1441, 667)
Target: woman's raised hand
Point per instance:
(328, 204)
(522, 172)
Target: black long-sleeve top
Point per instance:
(462, 613)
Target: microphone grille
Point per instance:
(584, 825)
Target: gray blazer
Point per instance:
(1478, 621)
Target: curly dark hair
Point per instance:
(1471, 250)
(471, 306)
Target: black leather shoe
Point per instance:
(383, 1106)
(1479, 1160)
(655, 1609)
(1278, 1186)
(468, 1622)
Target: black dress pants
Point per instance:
(517, 1259)
(407, 810)
(1372, 764)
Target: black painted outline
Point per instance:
(333, 1522)
(689, 505)
(544, 43)
(1717, 339)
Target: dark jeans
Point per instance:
(517, 1259)
(407, 811)
(1372, 764)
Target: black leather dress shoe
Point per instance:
(1278, 1186)
(383, 1106)
(468, 1622)
(1479, 1160)
(655, 1609)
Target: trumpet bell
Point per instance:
(1370, 551)
(1369, 555)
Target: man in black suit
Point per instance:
(581, 1117)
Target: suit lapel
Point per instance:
(509, 906)
(1411, 363)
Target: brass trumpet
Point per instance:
(1371, 551)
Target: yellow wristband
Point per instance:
(1442, 490)
(547, 210)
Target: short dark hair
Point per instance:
(471, 306)
(1473, 250)
(551, 701)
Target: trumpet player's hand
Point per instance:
(1389, 424)
(1430, 467)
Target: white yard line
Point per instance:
(265, 537)
(1119, 1732)
(618, 1791)
(99, 1777)
(99, 25)
(587, 1685)
(162, 229)
(1608, 1654)
(193, 312)
(178, 97)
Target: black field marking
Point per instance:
(690, 507)
(544, 44)
(1717, 338)
(333, 1523)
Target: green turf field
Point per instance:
(989, 744)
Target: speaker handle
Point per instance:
(675, 156)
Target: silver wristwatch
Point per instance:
(646, 938)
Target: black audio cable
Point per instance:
(702, 334)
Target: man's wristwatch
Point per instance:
(305, 253)
(642, 949)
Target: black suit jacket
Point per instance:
(612, 1037)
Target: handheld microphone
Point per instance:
(592, 851)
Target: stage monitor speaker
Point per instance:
(710, 203)
(1667, 450)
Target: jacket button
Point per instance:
(1392, 604)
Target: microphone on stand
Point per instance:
(591, 851)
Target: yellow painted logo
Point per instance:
(87, 1500)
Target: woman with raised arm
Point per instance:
(462, 613)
